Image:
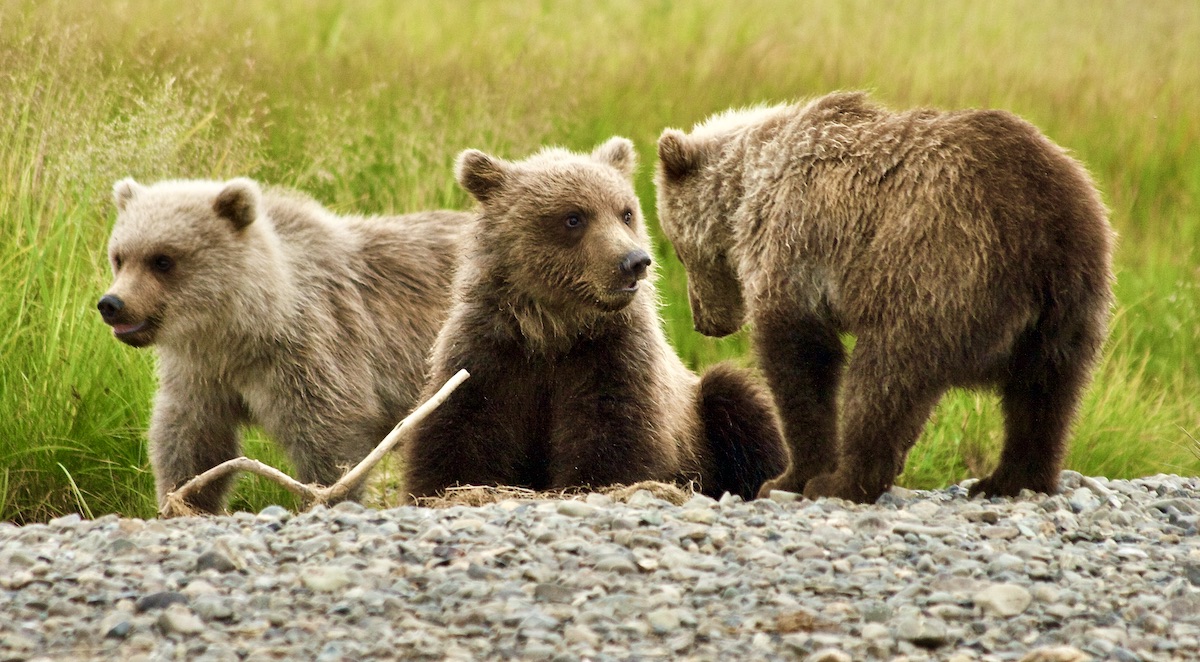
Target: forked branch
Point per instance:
(175, 503)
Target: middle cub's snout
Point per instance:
(635, 263)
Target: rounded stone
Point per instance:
(1003, 600)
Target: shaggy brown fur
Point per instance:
(268, 309)
(961, 248)
(572, 380)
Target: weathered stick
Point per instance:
(175, 503)
(359, 473)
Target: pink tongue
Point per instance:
(127, 328)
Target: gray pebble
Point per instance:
(160, 600)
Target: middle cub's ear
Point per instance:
(238, 202)
(618, 153)
(481, 175)
(680, 154)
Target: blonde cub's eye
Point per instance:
(628, 216)
(162, 263)
(574, 221)
(118, 261)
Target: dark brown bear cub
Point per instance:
(572, 380)
(961, 248)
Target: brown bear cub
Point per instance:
(267, 309)
(960, 248)
(572, 380)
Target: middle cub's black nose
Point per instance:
(635, 263)
(109, 306)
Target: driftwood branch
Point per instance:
(175, 503)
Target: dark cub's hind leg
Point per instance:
(1047, 375)
(742, 432)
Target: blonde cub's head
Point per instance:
(179, 251)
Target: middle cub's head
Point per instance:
(562, 228)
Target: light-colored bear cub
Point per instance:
(267, 309)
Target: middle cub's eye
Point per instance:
(573, 221)
(628, 217)
(162, 263)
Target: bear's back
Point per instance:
(380, 285)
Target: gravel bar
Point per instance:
(1108, 569)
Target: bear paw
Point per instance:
(998, 485)
(838, 486)
(788, 482)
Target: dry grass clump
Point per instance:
(481, 495)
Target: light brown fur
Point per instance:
(267, 309)
(961, 248)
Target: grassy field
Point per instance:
(364, 104)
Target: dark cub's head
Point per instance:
(562, 228)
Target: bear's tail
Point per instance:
(741, 430)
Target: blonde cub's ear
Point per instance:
(619, 153)
(238, 202)
(481, 175)
(125, 191)
(679, 154)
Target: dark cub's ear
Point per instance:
(680, 154)
(618, 153)
(481, 175)
(238, 202)
(125, 191)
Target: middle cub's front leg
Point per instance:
(480, 434)
(609, 426)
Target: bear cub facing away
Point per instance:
(266, 308)
(572, 381)
(961, 248)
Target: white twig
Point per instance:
(175, 503)
(356, 475)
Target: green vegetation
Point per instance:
(364, 104)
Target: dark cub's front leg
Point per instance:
(476, 437)
(802, 359)
(608, 426)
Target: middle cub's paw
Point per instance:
(788, 482)
(838, 486)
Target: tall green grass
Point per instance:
(365, 103)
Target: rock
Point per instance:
(663, 621)
(553, 593)
(575, 633)
(1083, 500)
(616, 563)
(1056, 654)
(160, 600)
(576, 509)
(326, 578)
(699, 515)
(1006, 563)
(66, 521)
(921, 631)
(829, 655)
(1003, 600)
(118, 630)
(212, 608)
(214, 560)
(179, 619)
(922, 530)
